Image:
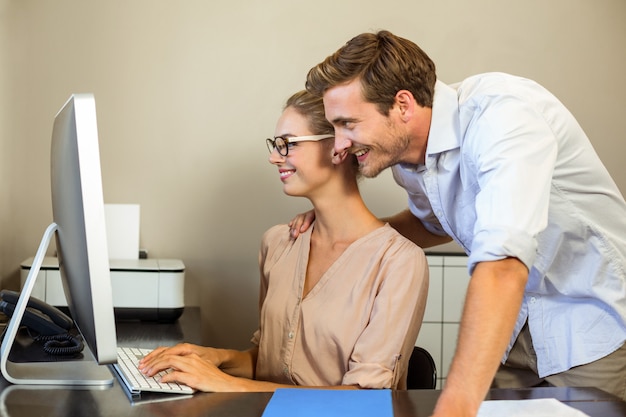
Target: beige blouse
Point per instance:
(357, 326)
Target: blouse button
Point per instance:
(291, 335)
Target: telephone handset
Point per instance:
(49, 324)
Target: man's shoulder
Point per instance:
(486, 79)
(492, 84)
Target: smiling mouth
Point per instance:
(361, 154)
(286, 173)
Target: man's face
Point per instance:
(378, 141)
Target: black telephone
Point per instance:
(44, 323)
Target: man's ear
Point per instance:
(339, 157)
(405, 103)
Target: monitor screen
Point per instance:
(80, 232)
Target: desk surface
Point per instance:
(25, 401)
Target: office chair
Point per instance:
(422, 373)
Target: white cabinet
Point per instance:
(446, 294)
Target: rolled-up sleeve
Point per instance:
(380, 356)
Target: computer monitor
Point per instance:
(81, 243)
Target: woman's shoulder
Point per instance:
(277, 233)
(277, 241)
(395, 239)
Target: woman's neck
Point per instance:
(343, 219)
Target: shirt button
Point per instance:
(286, 370)
(532, 300)
(291, 335)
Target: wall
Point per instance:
(5, 159)
(449, 279)
(186, 92)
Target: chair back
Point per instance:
(422, 373)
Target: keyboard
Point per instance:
(136, 382)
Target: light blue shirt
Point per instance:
(510, 173)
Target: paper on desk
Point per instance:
(541, 407)
(303, 402)
(122, 224)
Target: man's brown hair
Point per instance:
(384, 63)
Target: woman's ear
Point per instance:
(339, 157)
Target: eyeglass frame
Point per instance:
(271, 142)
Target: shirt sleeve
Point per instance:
(380, 356)
(267, 257)
(513, 151)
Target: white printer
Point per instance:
(144, 289)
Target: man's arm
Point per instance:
(404, 222)
(492, 303)
(412, 228)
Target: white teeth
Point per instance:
(361, 152)
(286, 173)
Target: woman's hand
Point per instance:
(228, 369)
(182, 349)
(301, 223)
(190, 369)
(149, 363)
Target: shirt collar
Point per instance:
(444, 124)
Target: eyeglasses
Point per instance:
(281, 144)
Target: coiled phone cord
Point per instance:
(60, 344)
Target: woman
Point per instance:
(341, 305)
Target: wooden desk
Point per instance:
(27, 401)
(592, 401)
(23, 401)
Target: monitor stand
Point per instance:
(77, 372)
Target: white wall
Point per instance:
(186, 92)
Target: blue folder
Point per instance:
(304, 402)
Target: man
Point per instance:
(499, 165)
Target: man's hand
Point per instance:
(301, 223)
